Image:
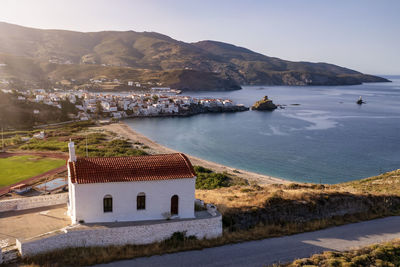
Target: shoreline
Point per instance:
(124, 130)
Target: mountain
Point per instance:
(47, 56)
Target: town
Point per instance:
(157, 102)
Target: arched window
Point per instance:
(107, 203)
(141, 201)
(174, 205)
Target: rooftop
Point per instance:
(129, 169)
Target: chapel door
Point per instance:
(174, 205)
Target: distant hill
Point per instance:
(43, 56)
(18, 114)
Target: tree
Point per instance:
(99, 109)
(68, 107)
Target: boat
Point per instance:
(360, 101)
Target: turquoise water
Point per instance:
(328, 138)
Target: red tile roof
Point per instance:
(128, 169)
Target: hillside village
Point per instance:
(88, 105)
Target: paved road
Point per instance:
(282, 249)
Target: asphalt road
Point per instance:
(283, 249)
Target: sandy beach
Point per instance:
(123, 130)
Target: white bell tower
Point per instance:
(71, 148)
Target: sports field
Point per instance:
(18, 168)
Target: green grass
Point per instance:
(207, 179)
(99, 144)
(47, 145)
(18, 168)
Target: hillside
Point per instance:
(36, 56)
(19, 114)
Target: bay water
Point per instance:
(321, 135)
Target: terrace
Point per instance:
(30, 223)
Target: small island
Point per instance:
(264, 104)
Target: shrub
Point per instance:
(246, 190)
(211, 180)
(52, 145)
(200, 169)
(376, 255)
(178, 238)
(207, 179)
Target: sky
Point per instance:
(360, 34)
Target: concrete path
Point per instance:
(283, 249)
(21, 224)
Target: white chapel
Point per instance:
(117, 189)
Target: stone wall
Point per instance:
(132, 234)
(8, 255)
(33, 202)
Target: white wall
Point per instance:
(89, 200)
(71, 200)
(33, 202)
(114, 236)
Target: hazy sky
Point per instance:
(359, 34)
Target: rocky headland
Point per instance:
(264, 104)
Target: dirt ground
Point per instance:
(49, 154)
(30, 223)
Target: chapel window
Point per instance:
(141, 201)
(108, 203)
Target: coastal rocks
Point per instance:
(197, 109)
(264, 104)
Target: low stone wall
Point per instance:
(33, 202)
(8, 255)
(133, 234)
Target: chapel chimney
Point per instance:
(71, 148)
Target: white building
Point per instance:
(40, 135)
(39, 98)
(130, 188)
(108, 107)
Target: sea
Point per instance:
(319, 136)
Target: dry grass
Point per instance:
(387, 254)
(256, 196)
(257, 212)
(384, 184)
